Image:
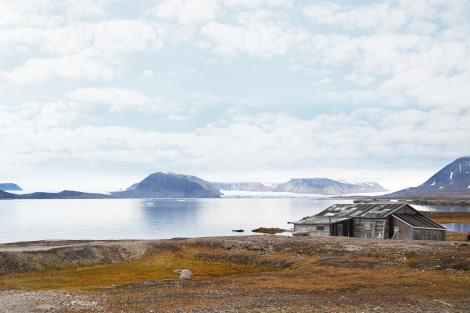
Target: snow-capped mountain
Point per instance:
(245, 186)
(326, 186)
(453, 180)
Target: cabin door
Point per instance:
(339, 231)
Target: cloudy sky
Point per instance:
(96, 95)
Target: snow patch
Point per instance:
(433, 183)
(451, 174)
(460, 166)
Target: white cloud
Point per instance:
(186, 11)
(78, 10)
(106, 37)
(118, 100)
(147, 74)
(28, 13)
(344, 86)
(74, 67)
(262, 142)
(252, 4)
(257, 39)
(377, 15)
(121, 100)
(78, 52)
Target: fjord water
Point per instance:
(27, 220)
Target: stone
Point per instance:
(184, 273)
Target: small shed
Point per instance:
(371, 220)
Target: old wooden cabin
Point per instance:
(371, 220)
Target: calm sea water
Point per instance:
(27, 220)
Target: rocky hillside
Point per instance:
(170, 185)
(326, 186)
(451, 181)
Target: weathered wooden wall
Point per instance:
(406, 232)
(370, 228)
(313, 229)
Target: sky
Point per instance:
(98, 94)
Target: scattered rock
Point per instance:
(266, 230)
(185, 274)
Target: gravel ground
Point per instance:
(17, 301)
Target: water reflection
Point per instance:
(219, 217)
(442, 208)
(169, 218)
(67, 219)
(26, 220)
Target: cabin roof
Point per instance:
(367, 210)
(417, 220)
(312, 220)
(341, 212)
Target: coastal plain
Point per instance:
(257, 273)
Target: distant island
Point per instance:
(10, 186)
(65, 194)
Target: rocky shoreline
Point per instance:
(258, 273)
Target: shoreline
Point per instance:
(438, 216)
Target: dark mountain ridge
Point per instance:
(170, 185)
(451, 181)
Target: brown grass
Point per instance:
(303, 275)
(205, 262)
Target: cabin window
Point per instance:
(320, 227)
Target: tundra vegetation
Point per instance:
(258, 273)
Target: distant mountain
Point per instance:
(9, 186)
(170, 185)
(451, 181)
(326, 186)
(245, 186)
(66, 194)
